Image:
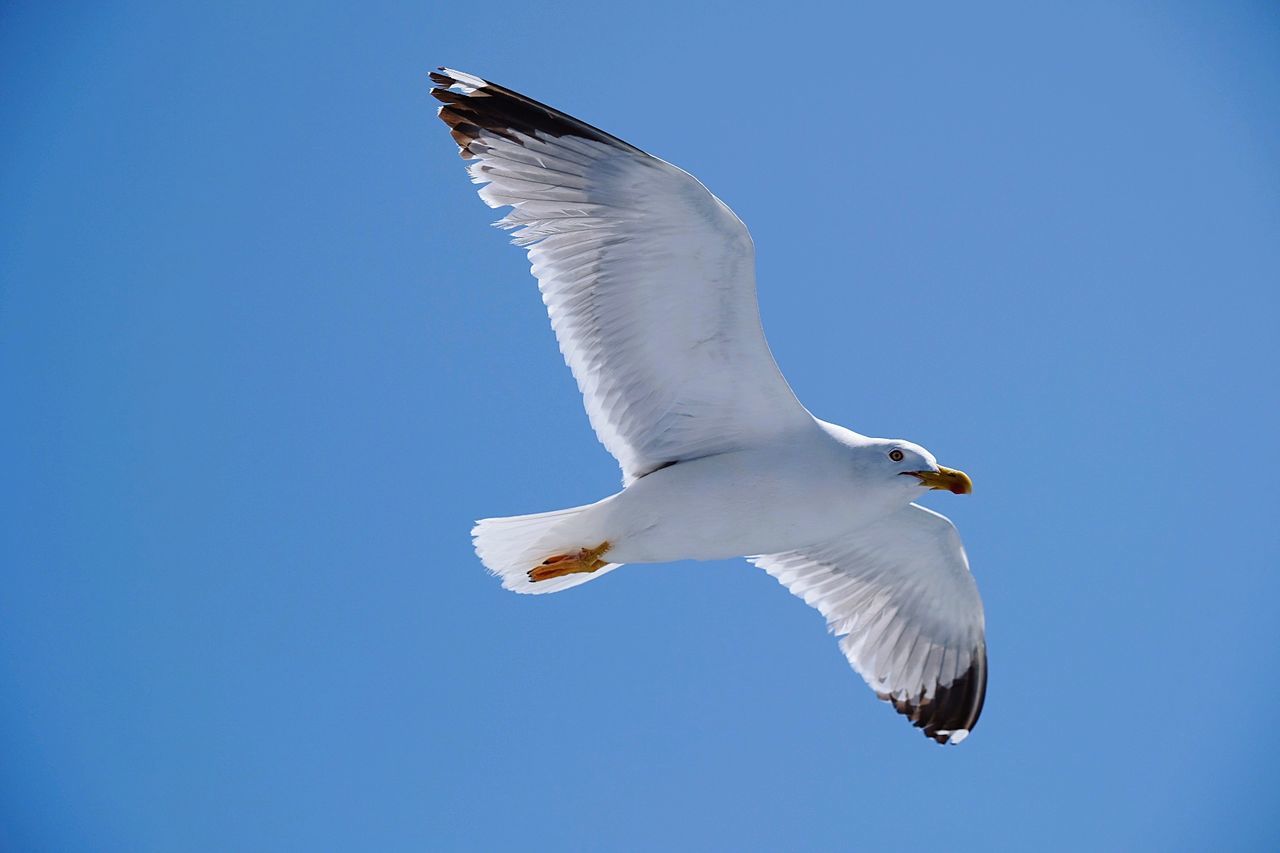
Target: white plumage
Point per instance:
(649, 281)
(901, 596)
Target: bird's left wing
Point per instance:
(900, 595)
(649, 279)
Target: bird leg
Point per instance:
(585, 560)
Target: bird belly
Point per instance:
(730, 505)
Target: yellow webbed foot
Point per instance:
(586, 560)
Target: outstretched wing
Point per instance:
(649, 279)
(901, 596)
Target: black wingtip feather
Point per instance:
(953, 707)
(498, 110)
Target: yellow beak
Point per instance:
(950, 479)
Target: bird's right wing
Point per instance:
(901, 596)
(649, 279)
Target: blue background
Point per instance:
(262, 363)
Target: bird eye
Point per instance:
(895, 455)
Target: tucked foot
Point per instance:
(586, 560)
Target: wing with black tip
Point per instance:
(900, 595)
(648, 278)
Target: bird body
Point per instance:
(753, 501)
(649, 282)
(758, 500)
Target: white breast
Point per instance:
(749, 502)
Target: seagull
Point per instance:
(649, 281)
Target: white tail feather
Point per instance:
(510, 547)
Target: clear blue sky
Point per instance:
(262, 363)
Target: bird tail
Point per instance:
(510, 547)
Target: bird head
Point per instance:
(917, 468)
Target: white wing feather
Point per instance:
(901, 596)
(648, 278)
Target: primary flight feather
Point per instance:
(649, 281)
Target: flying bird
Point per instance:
(649, 281)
